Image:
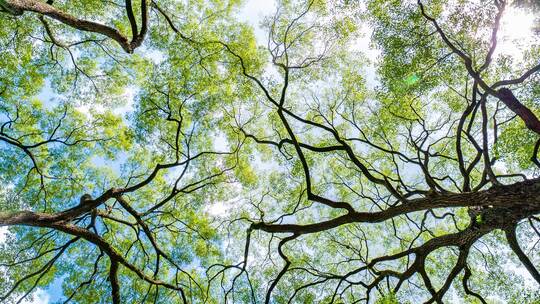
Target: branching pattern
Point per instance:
(335, 192)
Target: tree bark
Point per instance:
(499, 207)
(531, 121)
(18, 7)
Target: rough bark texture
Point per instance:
(18, 7)
(500, 206)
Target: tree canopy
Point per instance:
(375, 151)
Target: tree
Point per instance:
(276, 174)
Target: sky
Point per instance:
(253, 12)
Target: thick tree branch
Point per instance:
(18, 7)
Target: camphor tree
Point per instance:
(301, 170)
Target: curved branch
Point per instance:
(514, 245)
(42, 8)
(504, 94)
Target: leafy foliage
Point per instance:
(159, 151)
